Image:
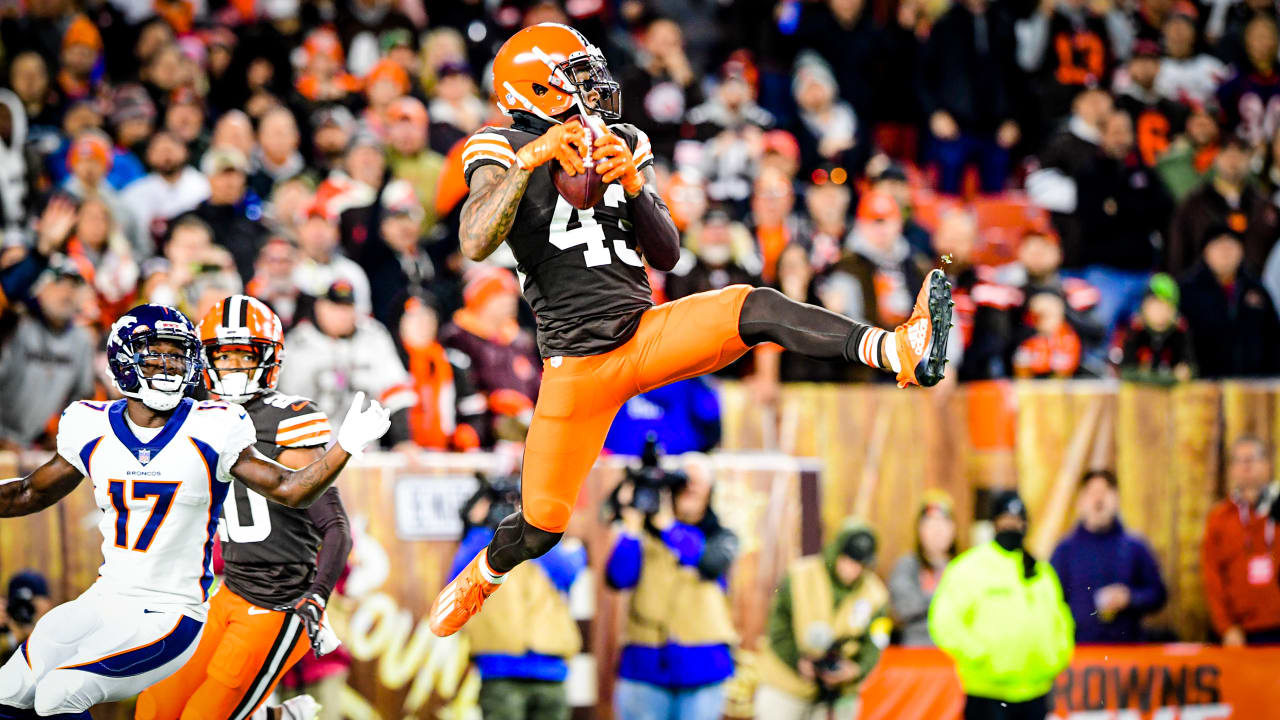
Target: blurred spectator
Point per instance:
(684, 416)
(104, 257)
(915, 576)
(276, 156)
(323, 79)
(48, 361)
(81, 53)
(235, 130)
(827, 130)
(772, 223)
(1239, 554)
(1271, 275)
(1255, 85)
(353, 195)
(828, 623)
(661, 87)
(285, 209)
(1068, 46)
(798, 281)
(1188, 75)
(686, 197)
(232, 211)
(1156, 346)
(522, 649)
(1157, 120)
(171, 188)
(14, 179)
(320, 264)
(449, 414)
(185, 118)
(1234, 328)
(332, 129)
(272, 280)
(1109, 577)
(454, 102)
(29, 79)
(341, 352)
(132, 122)
(969, 90)
(89, 160)
(403, 265)
(26, 602)
(883, 272)
(385, 82)
(676, 645)
(410, 158)
(889, 176)
(1122, 208)
(1053, 349)
(1068, 160)
(1189, 158)
(731, 126)
(484, 337)
(827, 204)
(1228, 198)
(999, 613)
(713, 265)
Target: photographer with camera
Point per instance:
(27, 600)
(674, 556)
(827, 626)
(522, 641)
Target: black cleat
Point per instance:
(922, 340)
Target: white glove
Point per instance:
(362, 427)
(326, 640)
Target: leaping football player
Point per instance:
(161, 465)
(601, 338)
(268, 612)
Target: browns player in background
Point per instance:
(281, 563)
(601, 338)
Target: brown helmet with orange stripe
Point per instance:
(245, 324)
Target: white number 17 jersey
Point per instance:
(161, 499)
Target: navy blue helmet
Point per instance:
(131, 348)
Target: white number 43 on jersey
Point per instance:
(589, 232)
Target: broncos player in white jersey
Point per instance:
(161, 465)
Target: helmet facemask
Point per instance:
(163, 377)
(240, 384)
(592, 85)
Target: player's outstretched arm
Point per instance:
(299, 488)
(495, 194)
(49, 483)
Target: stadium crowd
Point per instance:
(1101, 177)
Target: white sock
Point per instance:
(487, 572)
(891, 351)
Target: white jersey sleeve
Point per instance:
(240, 435)
(76, 430)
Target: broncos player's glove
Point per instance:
(310, 610)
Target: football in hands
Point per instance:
(585, 189)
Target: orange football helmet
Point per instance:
(241, 322)
(548, 68)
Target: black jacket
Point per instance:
(978, 88)
(1234, 333)
(1123, 209)
(235, 231)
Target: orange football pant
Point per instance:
(244, 652)
(580, 396)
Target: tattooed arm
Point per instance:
(48, 484)
(294, 488)
(490, 209)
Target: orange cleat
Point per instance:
(922, 339)
(461, 599)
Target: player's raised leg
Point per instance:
(915, 351)
(576, 405)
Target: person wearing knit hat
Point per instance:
(1009, 652)
(90, 158)
(81, 51)
(410, 157)
(1156, 346)
(503, 358)
(916, 574)
(385, 82)
(322, 78)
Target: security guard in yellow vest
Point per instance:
(676, 652)
(521, 642)
(827, 626)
